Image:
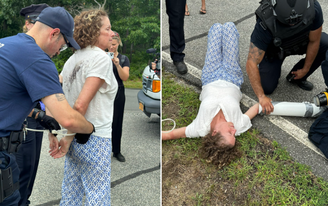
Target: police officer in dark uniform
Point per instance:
(175, 9)
(28, 155)
(31, 13)
(27, 75)
(284, 28)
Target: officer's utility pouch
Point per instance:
(7, 187)
(15, 141)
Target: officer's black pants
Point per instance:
(117, 124)
(270, 70)
(9, 160)
(175, 9)
(27, 158)
(324, 68)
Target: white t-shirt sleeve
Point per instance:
(101, 67)
(201, 126)
(244, 124)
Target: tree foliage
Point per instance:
(137, 22)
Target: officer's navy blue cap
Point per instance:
(58, 17)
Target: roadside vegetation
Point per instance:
(262, 172)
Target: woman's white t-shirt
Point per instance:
(214, 97)
(92, 62)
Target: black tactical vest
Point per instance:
(287, 40)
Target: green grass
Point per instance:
(133, 84)
(264, 175)
(198, 198)
(285, 182)
(184, 97)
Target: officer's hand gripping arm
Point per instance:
(46, 121)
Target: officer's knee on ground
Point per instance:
(269, 89)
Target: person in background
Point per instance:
(31, 13)
(187, 13)
(121, 68)
(90, 86)
(201, 11)
(175, 10)
(28, 155)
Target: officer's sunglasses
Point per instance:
(65, 46)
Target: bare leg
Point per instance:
(203, 8)
(186, 11)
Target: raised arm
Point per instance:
(255, 56)
(123, 72)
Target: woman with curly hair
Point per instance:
(90, 87)
(219, 115)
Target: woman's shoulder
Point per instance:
(93, 49)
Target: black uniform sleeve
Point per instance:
(318, 20)
(261, 38)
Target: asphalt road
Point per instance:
(134, 182)
(290, 132)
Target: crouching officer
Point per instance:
(284, 28)
(25, 61)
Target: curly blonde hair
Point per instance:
(87, 27)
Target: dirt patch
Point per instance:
(171, 109)
(196, 181)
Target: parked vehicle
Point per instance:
(149, 97)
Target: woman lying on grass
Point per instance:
(219, 117)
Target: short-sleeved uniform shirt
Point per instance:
(27, 74)
(92, 62)
(216, 96)
(262, 38)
